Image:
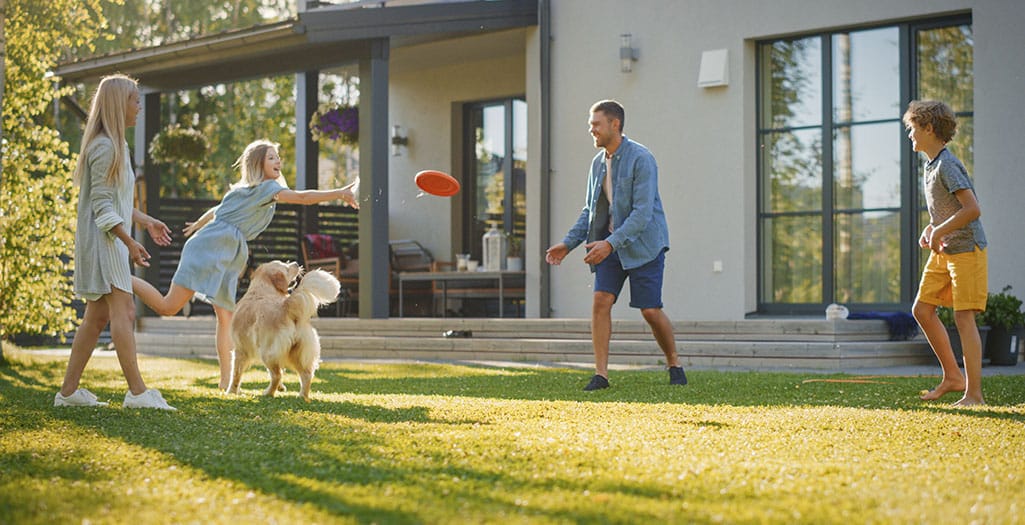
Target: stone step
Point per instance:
(747, 330)
(798, 344)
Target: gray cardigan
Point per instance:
(101, 259)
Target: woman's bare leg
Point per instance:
(96, 317)
(121, 306)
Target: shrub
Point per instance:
(1003, 310)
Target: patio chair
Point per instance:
(321, 251)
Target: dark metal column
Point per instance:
(147, 125)
(307, 152)
(374, 264)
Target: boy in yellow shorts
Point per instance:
(955, 274)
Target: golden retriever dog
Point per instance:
(276, 324)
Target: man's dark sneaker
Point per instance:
(677, 376)
(597, 383)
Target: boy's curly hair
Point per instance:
(932, 113)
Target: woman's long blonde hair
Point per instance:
(250, 163)
(107, 117)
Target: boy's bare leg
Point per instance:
(662, 329)
(939, 341)
(971, 345)
(601, 331)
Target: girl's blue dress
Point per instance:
(214, 258)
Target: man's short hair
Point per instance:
(611, 109)
(932, 113)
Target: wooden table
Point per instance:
(454, 276)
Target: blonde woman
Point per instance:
(216, 253)
(104, 247)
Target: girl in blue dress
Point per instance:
(216, 253)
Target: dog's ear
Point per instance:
(279, 281)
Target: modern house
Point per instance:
(787, 177)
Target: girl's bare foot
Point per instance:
(969, 401)
(945, 387)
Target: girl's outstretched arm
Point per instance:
(306, 197)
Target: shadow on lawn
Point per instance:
(751, 389)
(332, 454)
(302, 453)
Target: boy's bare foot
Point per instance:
(969, 401)
(945, 387)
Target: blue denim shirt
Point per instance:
(640, 232)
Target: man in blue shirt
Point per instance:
(626, 235)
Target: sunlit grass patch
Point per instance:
(444, 443)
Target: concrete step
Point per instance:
(755, 344)
(747, 330)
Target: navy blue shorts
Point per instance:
(645, 281)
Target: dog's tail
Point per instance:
(316, 288)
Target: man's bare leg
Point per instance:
(601, 331)
(662, 329)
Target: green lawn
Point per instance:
(439, 443)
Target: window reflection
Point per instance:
(867, 257)
(792, 84)
(866, 166)
(946, 66)
(792, 256)
(793, 165)
(866, 75)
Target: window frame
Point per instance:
(910, 211)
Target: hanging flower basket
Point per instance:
(334, 122)
(176, 144)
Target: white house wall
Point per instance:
(421, 100)
(704, 139)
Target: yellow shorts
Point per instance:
(958, 280)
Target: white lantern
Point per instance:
(494, 248)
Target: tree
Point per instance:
(37, 200)
(229, 115)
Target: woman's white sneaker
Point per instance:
(80, 398)
(151, 398)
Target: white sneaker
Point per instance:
(151, 398)
(80, 398)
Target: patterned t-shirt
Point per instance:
(944, 176)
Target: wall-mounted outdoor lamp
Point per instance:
(627, 53)
(398, 141)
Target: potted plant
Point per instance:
(946, 315)
(514, 259)
(336, 122)
(1005, 318)
(175, 144)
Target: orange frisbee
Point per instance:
(437, 183)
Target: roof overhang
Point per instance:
(320, 38)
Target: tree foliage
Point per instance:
(228, 115)
(37, 200)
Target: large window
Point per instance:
(840, 206)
